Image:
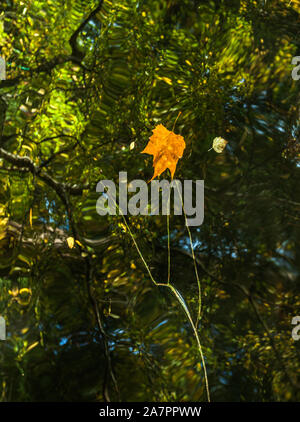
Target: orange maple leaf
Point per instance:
(166, 148)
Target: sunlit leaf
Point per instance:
(70, 241)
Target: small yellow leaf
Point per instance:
(123, 227)
(3, 224)
(167, 80)
(14, 292)
(219, 144)
(32, 346)
(25, 290)
(27, 147)
(30, 217)
(70, 241)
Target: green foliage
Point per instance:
(86, 79)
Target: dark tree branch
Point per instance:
(18, 161)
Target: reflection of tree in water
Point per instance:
(81, 86)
